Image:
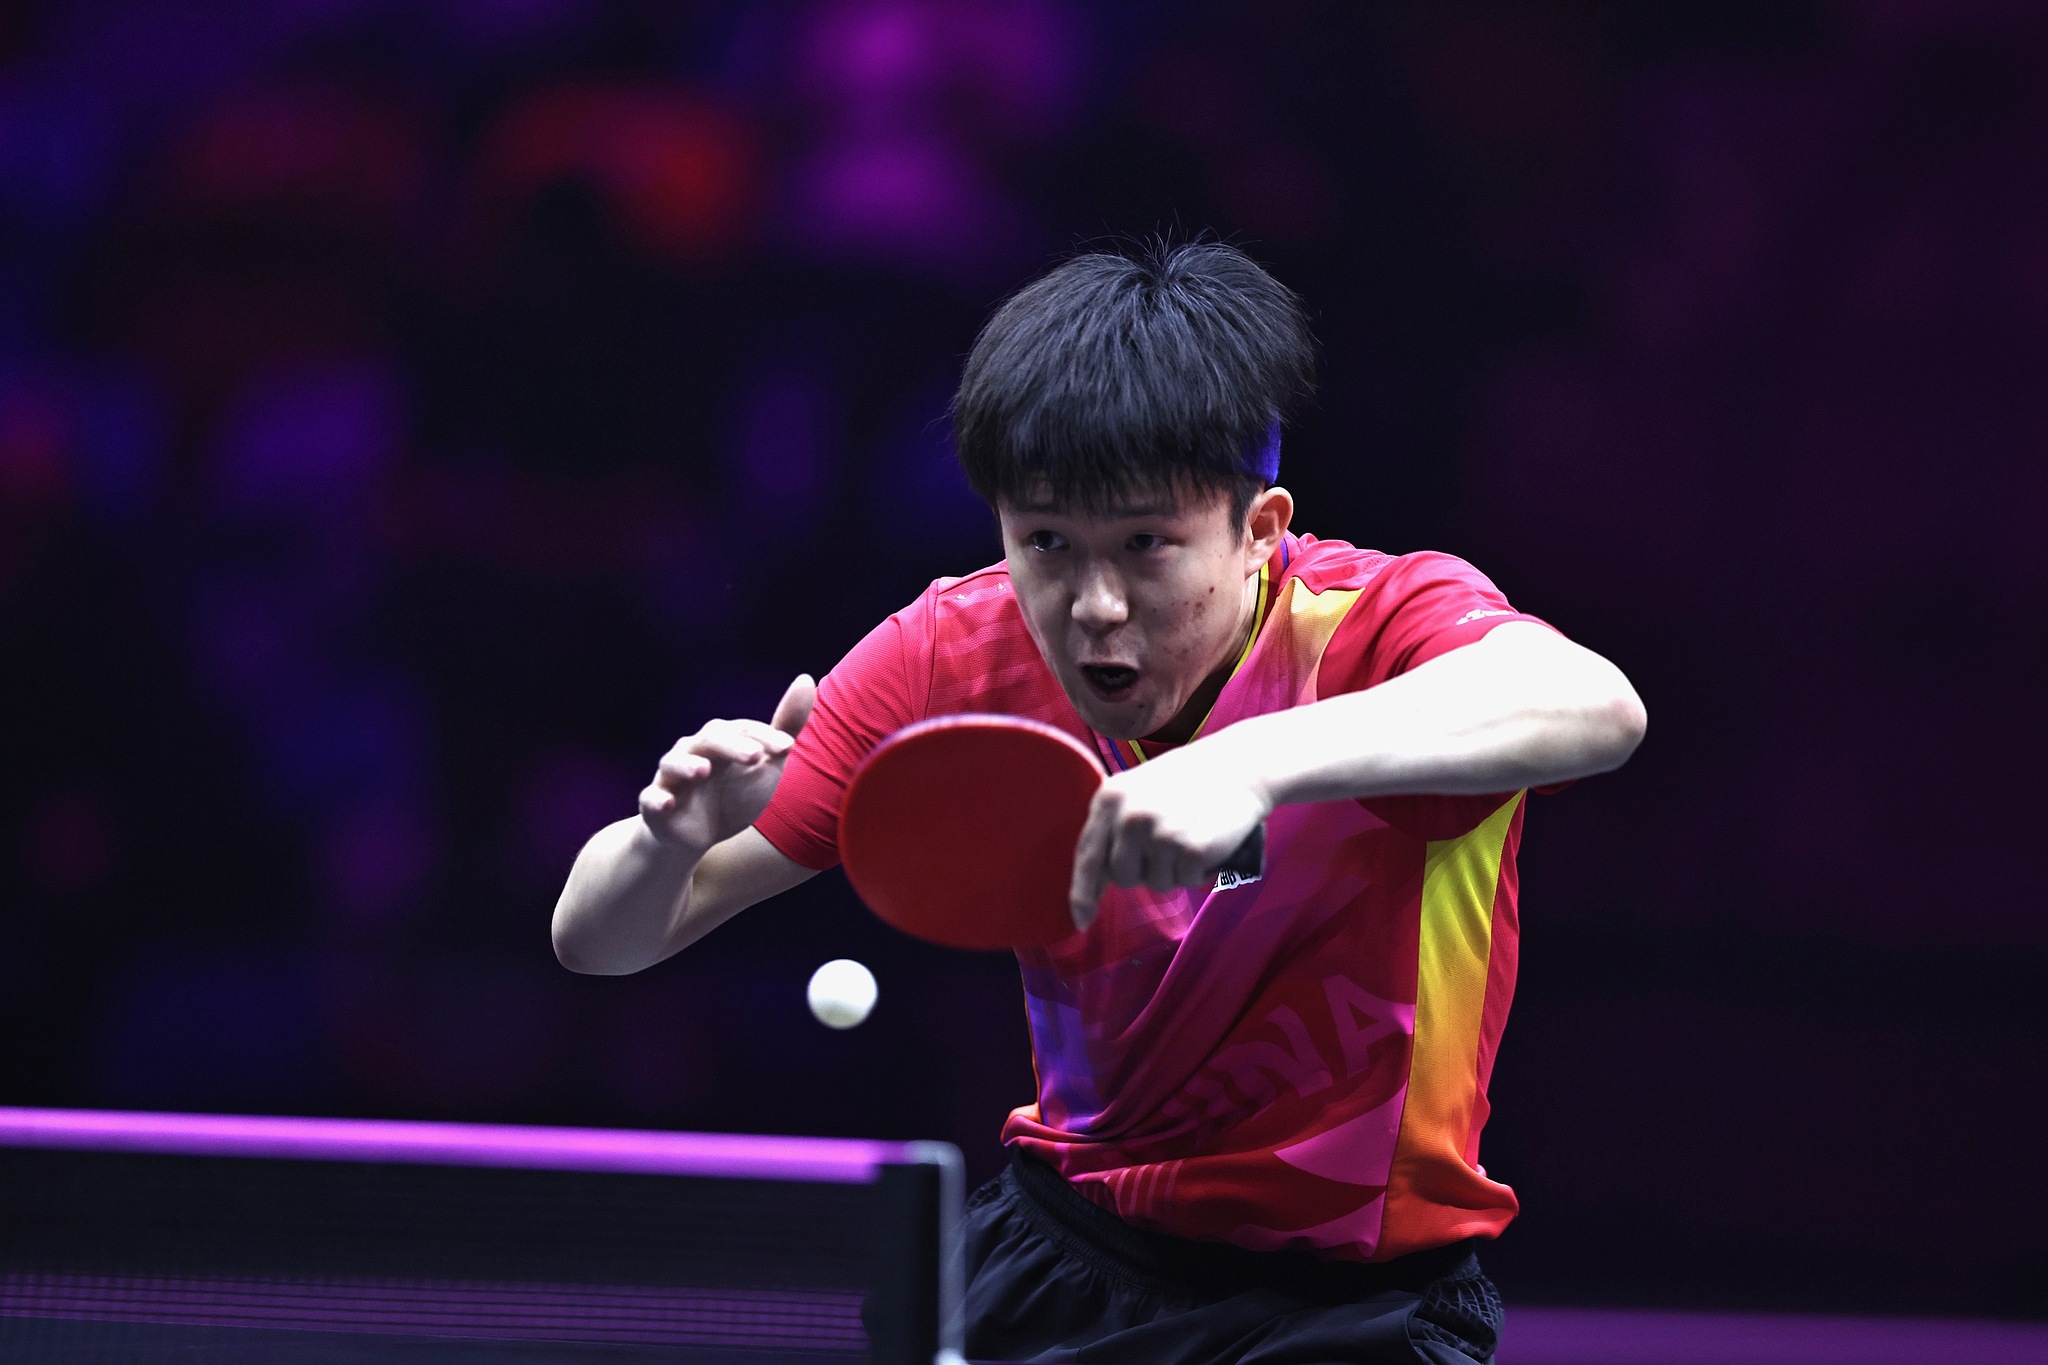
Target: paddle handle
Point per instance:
(1249, 860)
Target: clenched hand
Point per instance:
(1167, 823)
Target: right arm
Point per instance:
(647, 887)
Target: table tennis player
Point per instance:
(1256, 1135)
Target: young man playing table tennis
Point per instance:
(1256, 1136)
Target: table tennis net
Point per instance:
(793, 1250)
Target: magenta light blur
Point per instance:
(721, 1155)
(1581, 1336)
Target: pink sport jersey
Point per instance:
(1295, 1061)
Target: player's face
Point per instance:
(1136, 608)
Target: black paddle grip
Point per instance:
(1250, 858)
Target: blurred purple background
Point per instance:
(415, 415)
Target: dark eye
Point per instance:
(1145, 540)
(1044, 540)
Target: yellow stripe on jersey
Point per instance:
(1312, 621)
(1259, 610)
(1459, 879)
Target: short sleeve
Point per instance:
(879, 687)
(1419, 607)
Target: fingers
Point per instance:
(1155, 862)
(1122, 846)
(739, 742)
(679, 770)
(741, 748)
(1091, 873)
(1128, 855)
(734, 743)
(1183, 871)
(722, 742)
(1129, 848)
(795, 707)
(1172, 866)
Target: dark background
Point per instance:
(413, 416)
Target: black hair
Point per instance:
(1158, 367)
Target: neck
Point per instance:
(1189, 718)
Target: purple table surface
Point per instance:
(727, 1155)
(1580, 1336)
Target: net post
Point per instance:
(913, 1314)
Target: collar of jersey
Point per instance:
(1126, 754)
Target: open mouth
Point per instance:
(1111, 682)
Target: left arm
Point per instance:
(1520, 707)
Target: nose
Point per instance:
(1099, 600)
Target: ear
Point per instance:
(1265, 522)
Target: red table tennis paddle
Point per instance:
(961, 830)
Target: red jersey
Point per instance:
(1298, 1060)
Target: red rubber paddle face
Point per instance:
(961, 829)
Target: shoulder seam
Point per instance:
(1374, 563)
(943, 584)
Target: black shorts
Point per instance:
(1053, 1277)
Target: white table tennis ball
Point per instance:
(841, 993)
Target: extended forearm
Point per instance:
(626, 900)
(634, 899)
(1511, 711)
